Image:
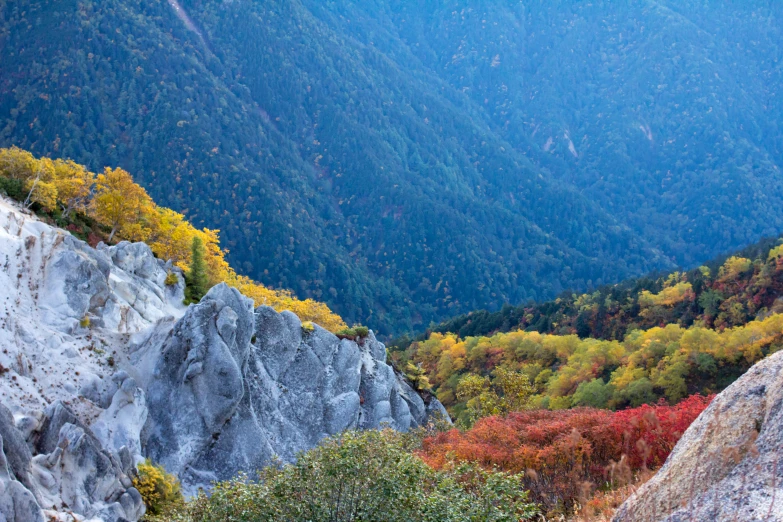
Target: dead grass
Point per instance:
(601, 505)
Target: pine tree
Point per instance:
(197, 279)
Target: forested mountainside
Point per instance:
(406, 165)
(724, 292)
(621, 346)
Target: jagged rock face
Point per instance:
(66, 310)
(101, 366)
(252, 385)
(71, 437)
(727, 466)
(70, 471)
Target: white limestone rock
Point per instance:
(101, 365)
(727, 466)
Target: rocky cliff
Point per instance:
(727, 466)
(101, 365)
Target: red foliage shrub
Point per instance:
(650, 432)
(562, 451)
(93, 239)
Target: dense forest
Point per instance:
(726, 291)
(406, 165)
(621, 346)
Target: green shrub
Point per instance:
(13, 188)
(197, 278)
(172, 279)
(84, 322)
(353, 334)
(365, 476)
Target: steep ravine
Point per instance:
(101, 366)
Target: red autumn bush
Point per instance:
(565, 452)
(651, 432)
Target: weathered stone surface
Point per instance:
(106, 366)
(197, 382)
(120, 424)
(17, 453)
(727, 466)
(78, 474)
(17, 503)
(270, 389)
(57, 415)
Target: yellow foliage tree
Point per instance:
(733, 267)
(669, 296)
(40, 185)
(120, 203)
(171, 236)
(74, 184)
(17, 164)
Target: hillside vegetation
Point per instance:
(629, 345)
(567, 457)
(111, 206)
(404, 164)
(727, 291)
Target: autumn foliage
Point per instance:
(125, 211)
(565, 454)
(670, 362)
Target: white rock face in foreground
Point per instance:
(70, 419)
(101, 366)
(728, 465)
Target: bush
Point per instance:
(13, 188)
(365, 476)
(160, 490)
(308, 327)
(562, 450)
(353, 334)
(172, 279)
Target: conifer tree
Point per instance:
(197, 278)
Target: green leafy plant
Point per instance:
(365, 476)
(354, 334)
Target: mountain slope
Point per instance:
(103, 367)
(666, 113)
(396, 163)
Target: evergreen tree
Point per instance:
(197, 279)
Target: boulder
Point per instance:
(727, 466)
(197, 382)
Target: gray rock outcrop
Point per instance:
(75, 473)
(727, 466)
(101, 366)
(251, 385)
